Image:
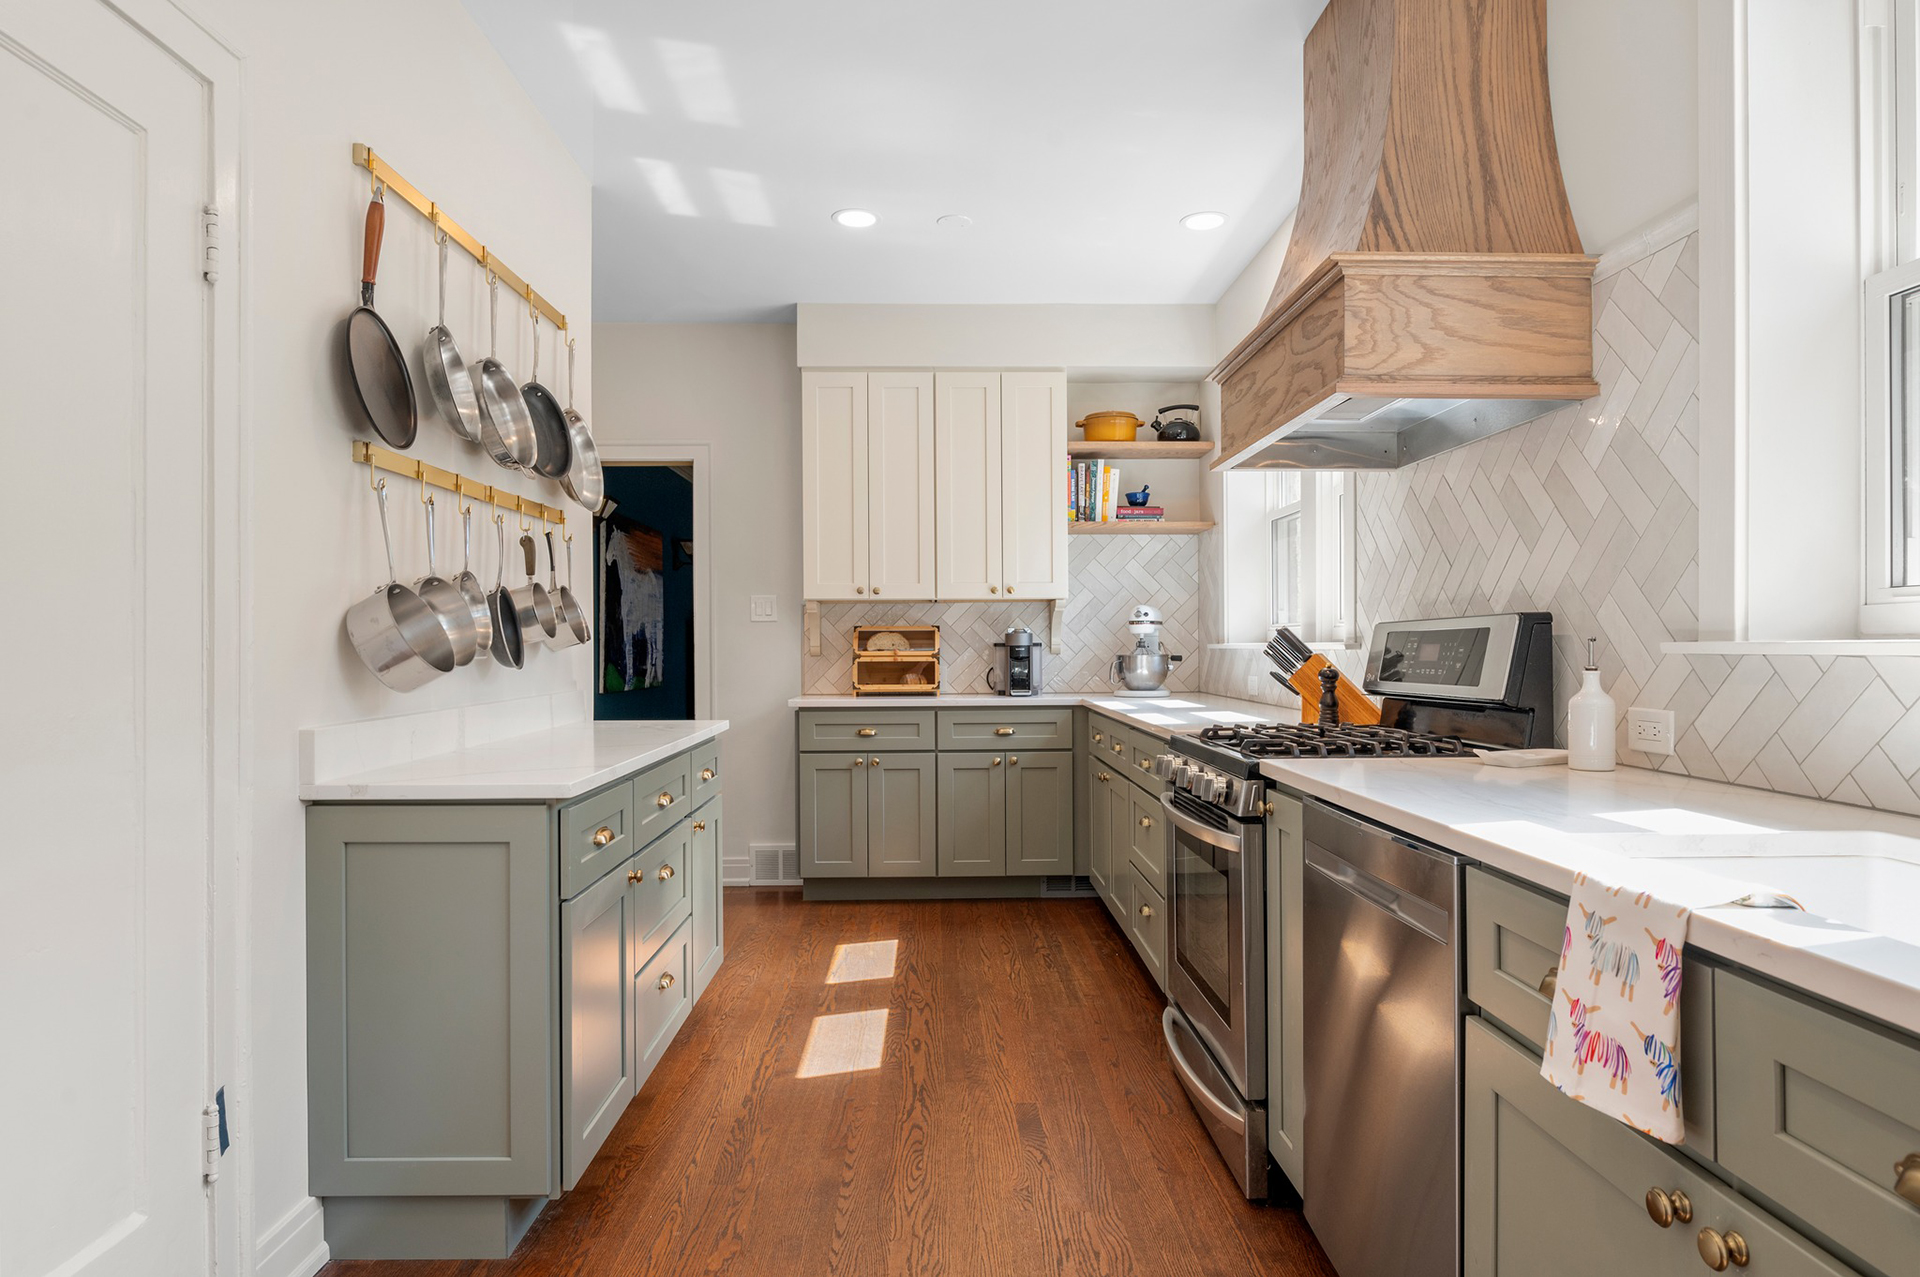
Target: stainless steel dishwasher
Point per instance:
(1381, 1021)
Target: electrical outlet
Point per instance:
(761, 608)
(1650, 730)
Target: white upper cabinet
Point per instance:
(833, 479)
(900, 525)
(1033, 465)
(967, 484)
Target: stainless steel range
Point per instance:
(1447, 687)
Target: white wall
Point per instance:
(1141, 341)
(735, 388)
(420, 84)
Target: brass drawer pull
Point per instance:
(1003, 731)
(706, 773)
(699, 826)
(1907, 1178)
(634, 875)
(604, 836)
(867, 731)
(1146, 911)
(859, 760)
(1013, 760)
(664, 800)
(993, 589)
(1146, 822)
(1097, 738)
(1146, 764)
(1717, 1250)
(666, 981)
(1549, 983)
(996, 760)
(666, 872)
(1104, 777)
(875, 760)
(858, 589)
(1664, 1207)
(1119, 747)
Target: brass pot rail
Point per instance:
(400, 463)
(384, 173)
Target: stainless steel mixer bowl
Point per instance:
(1142, 671)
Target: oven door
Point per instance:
(1218, 971)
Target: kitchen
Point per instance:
(1471, 789)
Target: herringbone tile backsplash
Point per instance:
(1109, 576)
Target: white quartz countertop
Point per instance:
(1676, 837)
(1178, 712)
(556, 764)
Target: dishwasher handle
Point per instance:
(1422, 915)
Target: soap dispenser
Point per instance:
(1590, 721)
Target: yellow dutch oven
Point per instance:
(1110, 427)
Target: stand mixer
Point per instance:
(1142, 671)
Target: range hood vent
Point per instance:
(1434, 291)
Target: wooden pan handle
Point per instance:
(376, 231)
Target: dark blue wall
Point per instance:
(662, 500)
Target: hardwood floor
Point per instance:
(1021, 1120)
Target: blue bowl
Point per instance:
(1138, 498)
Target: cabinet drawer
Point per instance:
(1514, 938)
(1102, 734)
(1142, 749)
(1147, 923)
(658, 882)
(1818, 1110)
(661, 994)
(1147, 837)
(866, 729)
(660, 798)
(1006, 728)
(703, 771)
(596, 834)
(1112, 745)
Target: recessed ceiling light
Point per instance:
(857, 218)
(1204, 221)
(953, 221)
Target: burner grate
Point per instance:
(1314, 740)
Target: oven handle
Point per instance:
(1191, 1081)
(1188, 825)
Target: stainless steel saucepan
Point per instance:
(472, 591)
(538, 624)
(394, 631)
(448, 378)
(570, 620)
(446, 600)
(506, 428)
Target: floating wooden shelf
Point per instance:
(1140, 449)
(1140, 527)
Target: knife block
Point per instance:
(1355, 706)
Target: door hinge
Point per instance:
(213, 1135)
(210, 244)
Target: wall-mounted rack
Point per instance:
(384, 173)
(399, 463)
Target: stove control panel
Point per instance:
(1237, 797)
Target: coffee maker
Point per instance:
(1016, 667)
(1142, 671)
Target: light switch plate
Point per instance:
(1650, 730)
(762, 607)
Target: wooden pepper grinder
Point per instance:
(1329, 697)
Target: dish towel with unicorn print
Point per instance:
(1613, 1038)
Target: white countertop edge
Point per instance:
(554, 765)
(1132, 711)
(1879, 978)
(1792, 647)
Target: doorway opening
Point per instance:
(645, 592)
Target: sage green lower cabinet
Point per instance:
(489, 985)
(833, 815)
(972, 812)
(1040, 812)
(1099, 831)
(1552, 1186)
(1286, 1061)
(900, 823)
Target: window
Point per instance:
(1890, 327)
(1297, 527)
(1283, 515)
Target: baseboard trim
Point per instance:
(296, 1245)
(736, 871)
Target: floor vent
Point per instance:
(775, 865)
(1068, 885)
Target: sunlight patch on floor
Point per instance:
(869, 960)
(849, 1042)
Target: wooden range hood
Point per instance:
(1434, 290)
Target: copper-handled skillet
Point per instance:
(380, 376)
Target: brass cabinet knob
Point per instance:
(1550, 982)
(1119, 747)
(1003, 731)
(867, 731)
(699, 826)
(1664, 1207)
(1146, 911)
(876, 591)
(634, 875)
(603, 836)
(1906, 1180)
(996, 760)
(706, 773)
(1104, 777)
(664, 800)
(1009, 589)
(859, 589)
(859, 760)
(993, 589)
(666, 872)
(1097, 738)
(875, 760)
(666, 981)
(1146, 764)
(1146, 822)
(1717, 1249)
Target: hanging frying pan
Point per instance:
(506, 431)
(584, 481)
(506, 645)
(449, 380)
(380, 376)
(552, 449)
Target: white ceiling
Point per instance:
(1075, 133)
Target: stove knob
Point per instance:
(1209, 788)
(1229, 793)
(1183, 775)
(1163, 766)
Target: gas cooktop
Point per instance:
(1342, 740)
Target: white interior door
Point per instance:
(900, 485)
(104, 764)
(833, 484)
(966, 429)
(1033, 459)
